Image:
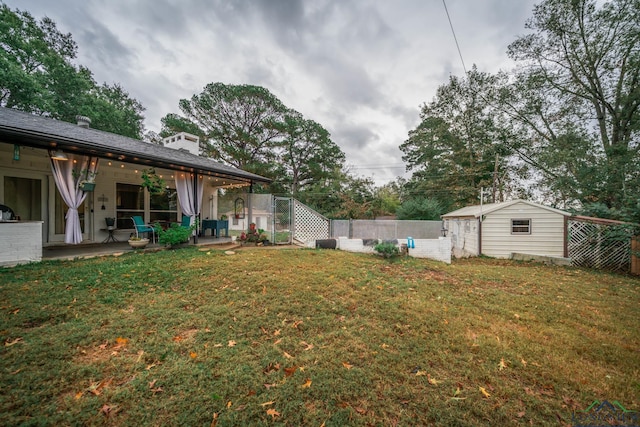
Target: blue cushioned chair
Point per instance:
(141, 227)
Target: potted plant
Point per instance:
(138, 242)
(87, 179)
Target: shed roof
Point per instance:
(18, 127)
(485, 209)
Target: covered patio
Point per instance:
(45, 163)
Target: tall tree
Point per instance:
(37, 74)
(459, 146)
(581, 96)
(307, 152)
(239, 122)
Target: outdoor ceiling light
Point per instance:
(59, 155)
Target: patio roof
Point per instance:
(18, 127)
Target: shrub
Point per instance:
(387, 249)
(174, 235)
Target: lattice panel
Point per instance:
(589, 246)
(309, 225)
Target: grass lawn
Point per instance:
(314, 338)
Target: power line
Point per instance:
(454, 36)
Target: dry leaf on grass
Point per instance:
(502, 365)
(307, 383)
(433, 381)
(290, 371)
(232, 343)
(193, 354)
(484, 392)
(287, 355)
(347, 365)
(9, 343)
(273, 413)
(271, 402)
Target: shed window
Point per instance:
(520, 226)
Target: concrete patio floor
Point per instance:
(90, 250)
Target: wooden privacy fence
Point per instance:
(602, 244)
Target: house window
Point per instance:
(520, 226)
(163, 207)
(129, 202)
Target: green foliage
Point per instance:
(152, 181)
(174, 235)
(459, 146)
(577, 103)
(421, 208)
(387, 249)
(37, 74)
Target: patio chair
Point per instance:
(141, 227)
(186, 221)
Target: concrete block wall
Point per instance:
(437, 249)
(22, 242)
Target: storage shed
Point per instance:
(501, 229)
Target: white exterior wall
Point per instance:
(21, 242)
(463, 233)
(437, 249)
(546, 238)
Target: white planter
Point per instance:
(137, 244)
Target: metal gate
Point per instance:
(282, 220)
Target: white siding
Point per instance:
(464, 236)
(546, 238)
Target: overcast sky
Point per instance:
(360, 68)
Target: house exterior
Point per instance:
(31, 173)
(501, 229)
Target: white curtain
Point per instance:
(190, 201)
(68, 174)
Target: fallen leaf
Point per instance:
(347, 365)
(524, 362)
(9, 343)
(229, 404)
(214, 421)
(384, 345)
(232, 343)
(297, 323)
(273, 413)
(276, 332)
(290, 371)
(307, 345)
(217, 345)
(103, 346)
(193, 354)
(420, 373)
(268, 386)
(106, 409)
(153, 365)
(360, 410)
(502, 365)
(484, 392)
(152, 383)
(79, 395)
(520, 414)
(457, 392)
(121, 342)
(433, 381)
(307, 383)
(271, 402)
(278, 341)
(287, 355)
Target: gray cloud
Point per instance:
(361, 68)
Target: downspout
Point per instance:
(480, 235)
